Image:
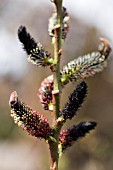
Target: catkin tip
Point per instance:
(13, 98)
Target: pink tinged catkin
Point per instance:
(45, 92)
(32, 121)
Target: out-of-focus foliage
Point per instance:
(17, 149)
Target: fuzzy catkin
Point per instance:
(75, 101)
(64, 26)
(45, 92)
(32, 121)
(36, 54)
(72, 134)
(87, 65)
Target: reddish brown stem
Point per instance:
(53, 156)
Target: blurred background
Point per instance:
(90, 19)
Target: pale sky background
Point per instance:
(95, 12)
(98, 13)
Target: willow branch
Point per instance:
(56, 90)
(57, 54)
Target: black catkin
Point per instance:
(36, 54)
(25, 38)
(72, 134)
(74, 102)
